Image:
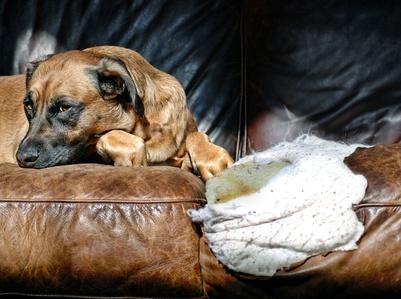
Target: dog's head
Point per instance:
(72, 98)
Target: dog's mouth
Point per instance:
(44, 157)
(60, 158)
(41, 154)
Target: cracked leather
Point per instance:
(99, 230)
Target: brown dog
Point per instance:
(113, 98)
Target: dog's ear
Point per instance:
(32, 66)
(154, 88)
(114, 82)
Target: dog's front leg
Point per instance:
(123, 148)
(161, 145)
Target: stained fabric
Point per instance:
(305, 209)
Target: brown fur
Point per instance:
(166, 133)
(13, 123)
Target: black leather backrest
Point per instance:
(255, 71)
(196, 41)
(329, 67)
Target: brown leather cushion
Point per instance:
(99, 230)
(102, 230)
(371, 271)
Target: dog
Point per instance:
(110, 100)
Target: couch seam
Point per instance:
(88, 296)
(376, 205)
(108, 201)
(242, 114)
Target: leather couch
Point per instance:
(256, 72)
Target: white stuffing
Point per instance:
(304, 210)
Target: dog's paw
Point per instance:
(221, 160)
(122, 148)
(207, 158)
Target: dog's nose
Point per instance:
(28, 156)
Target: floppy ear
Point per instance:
(114, 82)
(154, 87)
(32, 66)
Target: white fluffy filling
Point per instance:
(304, 210)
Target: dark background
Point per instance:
(255, 72)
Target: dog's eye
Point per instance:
(28, 106)
(63, 108)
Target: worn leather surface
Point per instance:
(381, 165)
(95, 182)
(371, 271)
(99, 230)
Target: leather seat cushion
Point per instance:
(99, 230)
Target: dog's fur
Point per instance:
(13, 123)
(111, 99)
